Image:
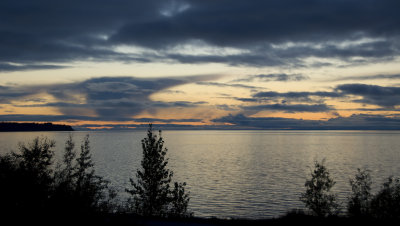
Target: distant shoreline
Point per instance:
(32, 127)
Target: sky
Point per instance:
(201, 64)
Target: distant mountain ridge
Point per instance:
(15, 127)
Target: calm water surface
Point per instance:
(240, 174)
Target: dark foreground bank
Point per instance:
(285, 220)
(32, 127)
(131, 219)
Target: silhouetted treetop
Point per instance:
(151, 193)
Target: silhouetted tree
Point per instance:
(90, 187)
(64, 175)
(34, 162)
(318, 197)
(77, 186)
(386, 203)
(359, 202)
(26, 178)
(10, 186)
(151, 194)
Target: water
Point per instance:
(240, 174)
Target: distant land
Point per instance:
(18, 127)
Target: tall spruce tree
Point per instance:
(152, 194)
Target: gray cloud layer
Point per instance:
(111, 98)
(42, 33)
(387, 97)
(361, 121)
(372, 94)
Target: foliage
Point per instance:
(77, 185)
(179, 201)
(386, 203)
(360, 200)
(26, 177)
(31, 185)
(151, 193)
(318, 197)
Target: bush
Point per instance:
(318, 197)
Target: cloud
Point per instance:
(110, 98)
(274, 31)
(265, 33)
(291, 108)
(354, 122)
(130, 123)
(387, 97)
(238, 121)
(309, 97)
(8, 93)
(369, 77)
(297, 94)
(273, 77)
(4, 67)
(272, 21)
(228, 85)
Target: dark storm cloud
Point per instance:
(387, 97)
(111, 98)
(48, 32)
(354, 122)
